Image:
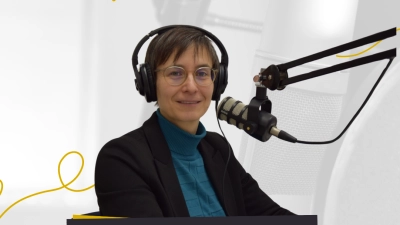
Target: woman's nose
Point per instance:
(190, 82)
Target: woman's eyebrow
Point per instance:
(197, 66)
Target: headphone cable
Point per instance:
(229, 156)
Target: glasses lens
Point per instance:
(174, 75)
(204, 76)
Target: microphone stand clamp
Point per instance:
(259, 123)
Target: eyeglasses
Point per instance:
(175, 75)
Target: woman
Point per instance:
(171, 166)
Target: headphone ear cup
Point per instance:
(152, 93)
(220, 83)
(143, 72)
(139, 82)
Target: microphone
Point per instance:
(236, 113)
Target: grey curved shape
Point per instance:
(365, 183)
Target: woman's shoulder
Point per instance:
(131, 144)
(131, 137)
(217, 141)
(214, 137)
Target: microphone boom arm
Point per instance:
(276, 76)
(262, 124)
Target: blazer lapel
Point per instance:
(163, 161)
(215, 167)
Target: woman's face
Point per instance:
(186, 103)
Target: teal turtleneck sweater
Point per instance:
(198, 192)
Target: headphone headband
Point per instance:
(224, 54)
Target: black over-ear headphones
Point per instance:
(144, 78)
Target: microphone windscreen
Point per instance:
(234, 106)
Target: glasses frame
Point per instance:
(186, 73)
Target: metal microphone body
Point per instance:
(234, 112)
(230, 106)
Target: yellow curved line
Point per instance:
(356, 54)
(1, 188)
(55, 189)
(362, 52)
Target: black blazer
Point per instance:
(135, 177)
